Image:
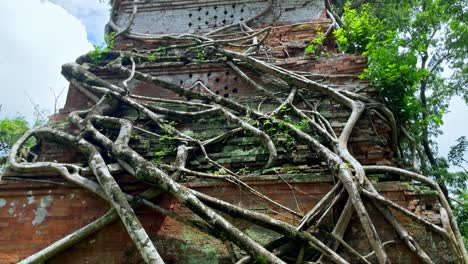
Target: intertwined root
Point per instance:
(331, 148)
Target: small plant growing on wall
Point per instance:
(96, 55)
(316, 48)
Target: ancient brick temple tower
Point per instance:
(35, 213)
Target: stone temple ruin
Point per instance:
(286, 179)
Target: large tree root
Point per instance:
(332, 149)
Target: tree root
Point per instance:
(331, 148)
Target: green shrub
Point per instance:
(96, 55)
(360, 28)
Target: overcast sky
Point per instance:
(38, 36)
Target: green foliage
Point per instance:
(244, 171)
(461, 213)
(458, 181)
(169, 128)
(110, 40)
(200, 56)
(304, 124)
(310, 49)
(283, 135)
(395, 75)
(408, 44)
(158, 156)
(153, 57)
(360, 28)
(10, 131)
(167, 144)
(96, 55)
(457, 151)
(261, 259)
(280, 132)
(220, 171)
(316, 47)
(160, 52)
(391, 71)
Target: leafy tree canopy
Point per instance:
(10, 131)
(417, 55)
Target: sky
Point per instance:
(93, 14)
(38, 36)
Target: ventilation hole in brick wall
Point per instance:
(181, 82)
(242, 19)
(207, 13)
(227, 73)
(225, 12)
(235, 78)
(233, 5)
(231, 16)
(224, 21)
(217, 80)
(215, 17)
(199, 18)
(190, 75)
(225, 87)
(215, 7)
(199, 8)
(234, 90)
(199, 27)
(206, 22)
(190, 24)
(217, 92)
(242, 10)
(226, 95)
(209, 74)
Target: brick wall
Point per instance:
(159, 17)
(66, 209)
(33, 215)
(369, 142)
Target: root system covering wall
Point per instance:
(35, 214)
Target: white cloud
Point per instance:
(37, 39)
(94, 14)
